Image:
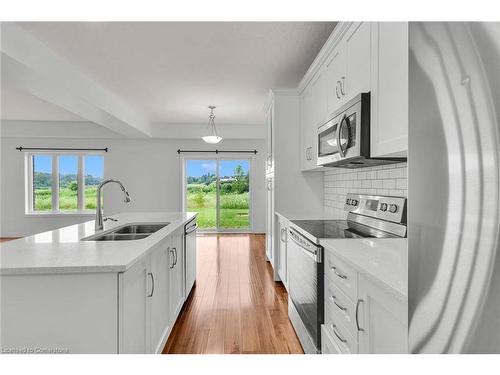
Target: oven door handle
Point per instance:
(313, 253)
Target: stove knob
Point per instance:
(383, 207)
(393, 208)
(348, 201)
(354, 202)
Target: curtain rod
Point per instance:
(20, 148)
(220, 151)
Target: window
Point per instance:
(63, 183)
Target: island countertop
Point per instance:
(63, 251)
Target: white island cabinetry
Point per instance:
(91, 296)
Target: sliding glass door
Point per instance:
(219, 190)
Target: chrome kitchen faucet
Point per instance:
(98, 214)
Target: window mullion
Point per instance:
(81, 183)
(55, 182)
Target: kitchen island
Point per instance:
(64, 292)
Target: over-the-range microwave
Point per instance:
(344, 139)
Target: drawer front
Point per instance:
(347, 343)
(328, 345)
(341, 306)
(342, 275)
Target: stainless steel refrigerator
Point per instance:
(454, 194)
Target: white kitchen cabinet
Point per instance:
(335, 69)
(160, 309)
(176, 267)
(74, 313)
(134, 288)
(389, 89)
(270, 140)
(288, 190)
(307, 132)
(357, 60)
(383, 320)
(282, 251)
(270, 220)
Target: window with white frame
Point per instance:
(62, 182)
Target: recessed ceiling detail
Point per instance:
(168, 71)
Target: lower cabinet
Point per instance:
(361, 316)
(282, 251)
(151, 295)
(328, 345)
(383, 320)
(161, 323)
(176, 268)
(134, 289)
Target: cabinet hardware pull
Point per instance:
(171, 252)
(337, 90)
(336, 304)
(334, 329)
(334, 269)
(357, 321)
(152, 284)
(175, 253)
(342, 88)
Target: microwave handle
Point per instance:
(339, 131)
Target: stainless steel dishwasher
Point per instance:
(190, 256)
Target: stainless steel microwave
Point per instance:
(344, 139)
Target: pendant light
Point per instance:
(211, 136)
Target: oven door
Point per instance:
(305, 279)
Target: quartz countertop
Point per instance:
(384, 261)
(63, 251)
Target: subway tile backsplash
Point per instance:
(389, 179)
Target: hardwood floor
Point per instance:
(235, 307)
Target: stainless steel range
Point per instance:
(369, 216)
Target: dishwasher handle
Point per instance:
(191, 229)
(312, 249)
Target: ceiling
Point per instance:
(171, 71)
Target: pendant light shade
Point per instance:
(211, 136)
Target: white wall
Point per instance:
(389, 179)
(150, 169)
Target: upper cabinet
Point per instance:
(359, 57)
(335, 76)
(270, 139)
(389, 99)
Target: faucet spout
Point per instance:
(98, 214)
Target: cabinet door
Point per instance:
(270, 140)
(383, 320)
(335, 70)
(389, 99)
(319, 95)
(305, 129)
(135, 285)
(282, 269)
(176, 276)
(160, 312)
(270, 219)
(358, 59)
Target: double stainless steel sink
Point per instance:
(128, 232)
